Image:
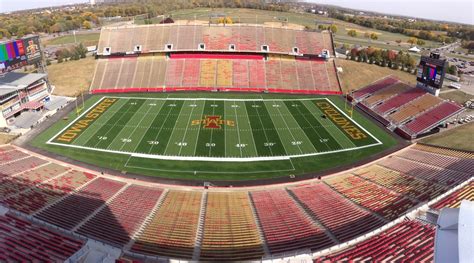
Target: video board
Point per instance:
(15, 54)
(431, 71)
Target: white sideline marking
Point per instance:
(213, 159)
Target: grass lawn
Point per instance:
(89, 39)
(356, 75)
(460, 138)
(457, 96)
(210, 170)
(6, 138)
(254, 16)
(71, 77)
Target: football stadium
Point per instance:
(234, 142)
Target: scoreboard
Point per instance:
(15, 54)
(431, 72)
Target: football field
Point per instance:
(214, 129)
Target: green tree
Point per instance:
(333, 28)
(420, 42)
(374, 36)
(452, 69)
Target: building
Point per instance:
(20, 92)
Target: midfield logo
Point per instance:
(213, 122)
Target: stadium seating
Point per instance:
(378, 199)
(172, 230)
(285, 226)
(444, 151)
(429, 173)
(432, 118)
(195, 72)
(340, 216)
(20, 165)
(414, 108)
(380, 96)
(224, 73)
(191, 71)
(10, 155)
(230, 215)
(454, 200)
(75, 208)
(22, 241)
(119, 220)
(442, 161)
(372, 88)
(246, 38)
(174, 73)
(13, 185)
(240, 76)
(47, 193)
(401, 183)
(208, 73)
(234, 224)
(399, 100)
(409, 241)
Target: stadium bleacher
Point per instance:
(172, 230)
(194, 72)
(201, 58)
(454, 200)
(342, 218)
(217, 38)
(410, 111)
(238, 224)
(23, 241)
(118, 221)
(229, 214)
(284, 225)
(409, 241)
(72, 210)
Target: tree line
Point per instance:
(383, 57)
(19, 24)
(419, 29)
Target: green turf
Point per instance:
(261, 128)
(87, 39)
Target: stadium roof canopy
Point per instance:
(455, 234)
(20, 80)
(414, 49)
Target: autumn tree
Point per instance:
(352, 33)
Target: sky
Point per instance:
(461, 11)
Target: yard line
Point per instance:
(212, 130)
(333, 126)
(199, 130)
(113, 126)
(161, 128)
(91, 130)
(316, 131)
(187, 125)
(143, 135)
(264, 132)
(246, 116)
(169, 139)
(237, 127)
(133, 132)
(291, 133)
(132, 123)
